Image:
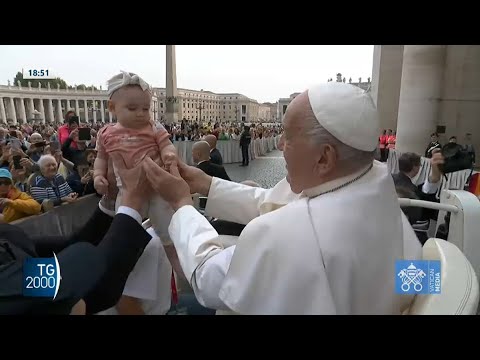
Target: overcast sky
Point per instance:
(261, 72)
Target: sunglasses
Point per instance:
(5, 182)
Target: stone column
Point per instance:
(418, 110)
(12, 111)
(41, 109)
(31, 108)
(94, 111)
(102, 108)
(171, 112)
(21, 105)
(59, 111)
(3, 113)
(51, 117)
(460, 106)
(77, 109)
(109, 116)
(86, 110)
(386, 82)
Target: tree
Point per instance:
(83, 87)
(79, 87)
(34, 83)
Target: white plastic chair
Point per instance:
(459, 285)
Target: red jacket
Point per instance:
(63, 134)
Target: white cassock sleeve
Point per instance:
(234, 202)
(203, 258)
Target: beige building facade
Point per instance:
(196, 105)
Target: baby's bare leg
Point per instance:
(160, 213)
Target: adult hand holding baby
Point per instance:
(136, 188)
(169, 159)
(168, 184)
(100, 183)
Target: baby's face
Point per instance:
(131, 106)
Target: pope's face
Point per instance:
(297, 150)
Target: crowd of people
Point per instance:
(193, 131)
(444, 159)
(52, 165)
(250, 250)
(42, 168)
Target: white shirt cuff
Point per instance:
(130, 212)
(430, 188)
(105, 210)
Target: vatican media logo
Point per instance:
(41, 277)
(418, 277)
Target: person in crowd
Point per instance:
(329, 142)
(71, 123)
(64, 166)
(215, 156)
(245, 140)
(382, 144)
(452, 139)
(50, 186)
(201, 157)
(434, 144)
(76, 154)
(95, 261)
(20, 179)
(413, 214)
(37, 147)
(468, 147)
(392, 140)
(223, 135)
(81, 180)
(49, 135)
(409, 165)
(14, 204)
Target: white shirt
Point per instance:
(280, 266)
(430, 188)
(150, 279)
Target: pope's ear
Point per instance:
(327, 158)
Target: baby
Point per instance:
(133, 137)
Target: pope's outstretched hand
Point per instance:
(198, 181)
(169, 185)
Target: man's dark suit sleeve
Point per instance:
(93, 232)
(121, 248)
(224, 174)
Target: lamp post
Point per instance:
(200, 107)
(236, 113)
(154, 113)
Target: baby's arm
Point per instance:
(168, 152)
(100, 181)
(100, 168)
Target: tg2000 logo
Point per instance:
(41, 277)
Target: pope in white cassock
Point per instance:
(323, 241)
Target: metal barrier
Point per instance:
(61, 220)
